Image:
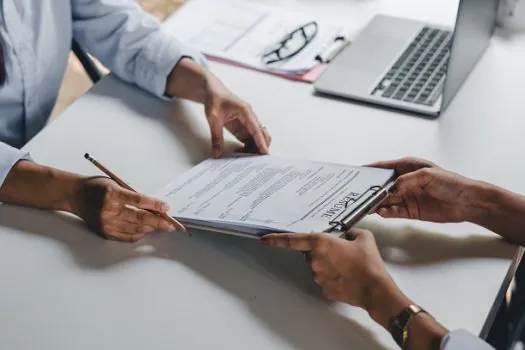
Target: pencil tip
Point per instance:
(87, 156)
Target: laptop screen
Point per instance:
(475, 24)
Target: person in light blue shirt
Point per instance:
(352, 271)
(35, 41)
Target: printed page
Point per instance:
(241, 32)
(270, 193)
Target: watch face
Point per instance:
(399, 324)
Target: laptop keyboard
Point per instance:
(419, 73)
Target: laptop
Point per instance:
(410, 65)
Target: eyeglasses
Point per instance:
(291, 44)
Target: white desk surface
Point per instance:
(64, 288)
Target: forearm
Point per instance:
(129, 42)
(33, 185)
(498, 210)
(387, 301)
(189, 80)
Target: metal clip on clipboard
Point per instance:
(367, 202)
(332, 50)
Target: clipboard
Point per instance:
(367, 203)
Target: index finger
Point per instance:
(141, 201)
(403, 165)
(300, 242)
(217, 137)
(255, 130)
(386, 164)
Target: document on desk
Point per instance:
(239, 32)
(256, 195)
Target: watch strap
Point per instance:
(399, 324)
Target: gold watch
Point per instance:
(399, 324)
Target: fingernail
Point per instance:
(165, 207)
(168, 227)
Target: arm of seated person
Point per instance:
(107, 208)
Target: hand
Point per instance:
(225, 110)
(351, 272)
(424, 191)
(116, 213)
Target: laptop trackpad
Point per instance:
(358, 69)
(371, 53)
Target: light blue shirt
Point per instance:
(37, 37)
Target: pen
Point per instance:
(129, 188)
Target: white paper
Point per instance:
(241, 32)
(268, 193)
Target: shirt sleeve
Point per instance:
(463, 340)
(9, 156)
(129, 41)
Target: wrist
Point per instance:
(387, 302)
(69, 184)
(500, 211)
(483, 201)
(189, 80)
(384, 300)
(424, 332)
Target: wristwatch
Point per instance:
(399, 324)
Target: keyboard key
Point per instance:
(389, 91)
(398, 96)
(416, 66)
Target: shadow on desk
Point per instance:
(409, 245)
(276, 285)
(511, 31)
(191, 131)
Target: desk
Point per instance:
(64, 288)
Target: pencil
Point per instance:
(122, 183)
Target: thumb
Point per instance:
(357, 233)
(413, 181)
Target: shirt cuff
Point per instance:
(463, 340)
(158, 59)
(9, 156)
